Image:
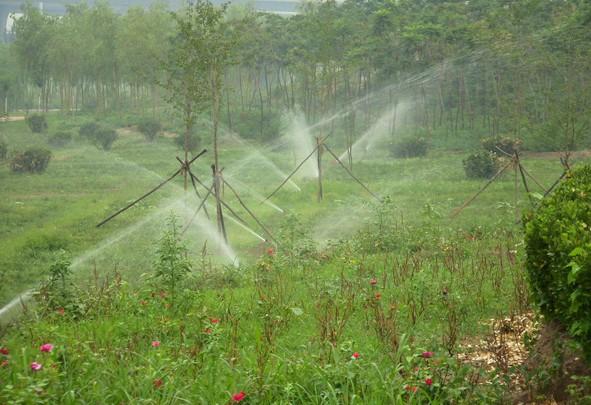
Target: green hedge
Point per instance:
(33, 160)
(37, 123)
(481, 165)
(558, 245)
(409, 147)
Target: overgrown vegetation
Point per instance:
(60, 139)
(33, 160)
(37, 123)
(150, 127)
(409, 147)
(481, 165)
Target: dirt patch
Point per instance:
(12, 118)
(128, 131)
(167, 134)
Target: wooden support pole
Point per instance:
(319, 164)
(350, 173)
(217, 182)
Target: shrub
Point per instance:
(481, 165)
(250, 124)
(33, 160)
(88, 130)
(3, 150)
(409, 147)
(507, 145)
(104, 138)
(150, 127)
(37, 123)
(558, 247)
(60, 139)
(193, 144)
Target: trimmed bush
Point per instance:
(558, 247)
(194, 142)
(104, 138)
(33, 160)
(60, 139)
(409, 147)
(507, 145)
(481, 165)
(3, 150)
(36, 123)
(88, 130)
(150, 128)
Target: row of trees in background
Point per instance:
(487, 66)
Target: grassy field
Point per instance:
(362, 302)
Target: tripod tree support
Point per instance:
(350, 173)
(128, 206)
(319, 148)
(217, 184)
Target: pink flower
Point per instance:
(4, 363)
(239, 396)
(427, 355)
(4, 351)
(271, 251)
(355, 356)
(373, 281)
(207, 331)
(155, 343)
(214, 320)
(429, 381)
(61, 311)
(36, 366)
(46, 348)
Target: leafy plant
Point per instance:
(558, 246)
(88, 130)
(104, 138)
(3, 150)
(60, 139)
(33, 160)
(150, 127)
(481, 165)
(409, 147)
(498, 145)
(36, 123)
(57, 292)
(172, 265)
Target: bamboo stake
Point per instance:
(458, 210)
(533, 178)
(319, 164)
(250, 212)
(219, 212)
(290, 175)
(350, 173)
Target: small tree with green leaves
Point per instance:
(172, 265)
(57, 292)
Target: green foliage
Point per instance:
(173, 265)
(150, 127)
(558, 245)
(37, 123)
(88, 130)
(193, 142)
(481, 165)
(3, 150)
(104, 138)
(33, 160)
(57, 292)
(409, 147)
(498, 145)
(254, 124)
(60, 139)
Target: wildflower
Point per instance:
(4, 351)
(143, 302)
(373, 281)
(207, 331)
(214, 320)
(4, 363)
(378, 296)
(36, 366)
(410, 388)
(429, 381)
(271, 251)
(427, 355)
(61, 311)
(239, 396)
(155, 343)
(46, 348)
(157, 383)
(355, 356)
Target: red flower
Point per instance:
(410, 388)
(214, 320)
(378, 296)
(4, 351)
(271, 251)
(373, 281)
(207, 331)
(157, 383)
(429, 381)
(155, 343)
(143, 302)
(427, 355)
(61, 311)
(355, 356)
(239, 396)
